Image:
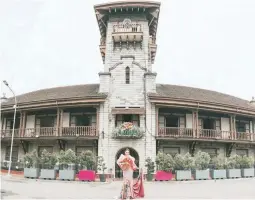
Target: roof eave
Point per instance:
(200, 104)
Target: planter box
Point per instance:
(67, 175)
(48, 173)
(233, 173)
(31, 172)
(183, 175)
(202, 174)
(219, 174)
(248, 172)
(87, 175)
(149, 177)
(163, 176)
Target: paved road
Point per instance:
(19, 188)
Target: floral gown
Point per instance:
(130, 190)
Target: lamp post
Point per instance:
(13, 126)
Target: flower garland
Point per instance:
(126, 163)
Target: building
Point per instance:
(174, 119)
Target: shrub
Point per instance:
(150, 166)
(67, 158)
(184, 162)
(246, 162)
(165, 162)
(101, 166)
(31, 160)
(233, 162)
(87, 160)
(48, 160)
(202, 160)
(219, 162)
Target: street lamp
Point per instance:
(13, 126)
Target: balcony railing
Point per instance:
(79, 131)
(39, 132)
(204, 134)
(244, 136)
(175, 132)
(124, 28)
(8, 132)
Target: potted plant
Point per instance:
(150, 169)
(233, 167)
(202, 161)
(31, 168)
(67, 160)
(183, 166)
(165, 166)
(48, 161)
(101, 167)
(87, 162)
(247, 168)
(218, 171)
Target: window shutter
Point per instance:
(182, 122)
(37, 125)
(217, 124)
(55, 121)
(161, 121)
(135, 120)
(93, 120)
(247, 128)
(200, 123)
(119, 120)
(73, 120)
(8, 124)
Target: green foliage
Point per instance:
(233, 162)
(87, 160)
(219, 162)
(31, 160)
(48, 160)
(246, 162)
(150, 166)
(165, 162)
(67, 158)
(184, 162)
(101, 166)
(202, 160)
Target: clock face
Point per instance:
(127, 22)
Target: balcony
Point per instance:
(204, 134)
(80, 131)
(127, 131)
(8, 133)
(127, 32)
(175, 132)
(244, 136)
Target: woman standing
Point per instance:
(129, 189)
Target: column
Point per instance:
(60, 122)
(20, 124)
(58, 117)
(195, 124)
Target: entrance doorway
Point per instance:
(133, 153)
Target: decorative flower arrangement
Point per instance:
(127, 126)
(126, 163)
(128, 129)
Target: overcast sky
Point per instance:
(201, 43)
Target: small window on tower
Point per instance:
(127, 75)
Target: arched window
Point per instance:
(127, 75)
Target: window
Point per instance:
(83, 120)
(171, 150)
(127, 75)
(47, 121)
(172, 121)
(120, 119)
(83, 148)
(47, 148)
(242, 126)
(242, 152)
(15, 152)
(9, 123)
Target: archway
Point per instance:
(133, 153)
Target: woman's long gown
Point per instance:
(129, 188)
